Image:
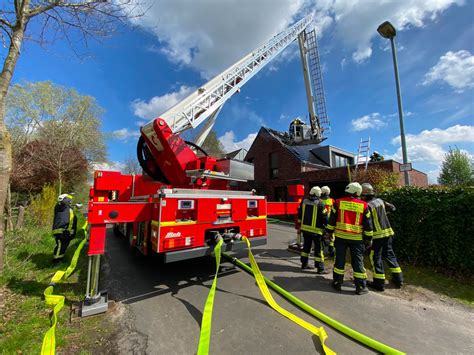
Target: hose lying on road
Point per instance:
(204, 339)
(364, 339)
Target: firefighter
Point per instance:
(328, 202)
(64, 225)
(312, 219)
(382, 241)
(351, 223)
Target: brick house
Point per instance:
(278, 165)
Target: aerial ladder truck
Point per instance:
(183, 201)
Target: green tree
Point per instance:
(212, 145)
(60, 122)
(72, 21)
(456, 169)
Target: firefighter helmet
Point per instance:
(325, 190)
(354, 188)
(367, 190)
(315, 191)
(65, 198)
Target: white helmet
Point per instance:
(354, 188)
(64, 198)
(315, 191)
(325, 190)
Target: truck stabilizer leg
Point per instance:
(95, 301)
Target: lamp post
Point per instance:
(386, 30)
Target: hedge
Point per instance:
(434, 227)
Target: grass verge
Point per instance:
(460, 288)
(25, 316)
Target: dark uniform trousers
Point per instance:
(382, 250)
(308, 240)
(62, 242)
(357, 249)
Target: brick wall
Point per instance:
(259, 154)
(417, 178)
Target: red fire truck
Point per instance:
(185, 198)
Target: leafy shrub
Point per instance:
(41, 210)
(434, 227)
(381, 180)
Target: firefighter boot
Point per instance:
(377, 284)
(361, 287)
(337, 286)
(397, 279)
(321, 270)
(337, 281)
(304, 261)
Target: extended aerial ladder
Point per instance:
(166, 157)
(184, 201)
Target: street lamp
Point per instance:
(386, 30)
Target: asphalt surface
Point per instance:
(162, 307)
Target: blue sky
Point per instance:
(178, 45)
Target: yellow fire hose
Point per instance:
(57, 301)
(204, 340)
(262, 282)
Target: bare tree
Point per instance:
(73, 21)
(131, 166)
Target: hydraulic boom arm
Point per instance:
(166, 157)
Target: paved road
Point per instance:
(163, 306)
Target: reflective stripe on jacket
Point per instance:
(312, 215)
(381, 223)
(351, 219)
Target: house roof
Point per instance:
(304, 153)
(233, 154)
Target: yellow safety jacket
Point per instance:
(312, 216)
(351, 219)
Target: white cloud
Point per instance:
(430, 146)
(230, 144)
(452, 134)
(455, 68)
(361, 54)
(370, 121)
(356, 21)
(210, 35)
(109, 166)
(124, 134)
(159, 104)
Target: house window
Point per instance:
(340, 160)
(274, 165)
